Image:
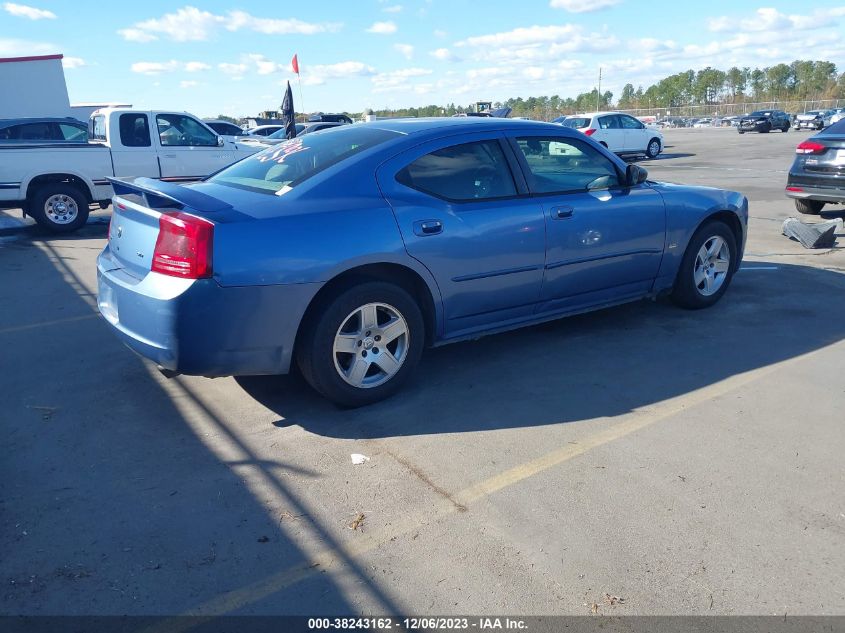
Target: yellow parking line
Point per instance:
(635, 421)
(32, 326)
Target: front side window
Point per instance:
(466, 172)
(562, 165)
(134, 130)
(183, 131)
(290, 163)
(630, 123)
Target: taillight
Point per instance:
(590, 132)
(183, 246)
(794, 189)
(810, 147)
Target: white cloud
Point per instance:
(194, 67)
(232, 69)
(394, 8)
(73, 62)
(155, 68)
(767, 19)
(317, 75)
(23, 11)
(397, 79)
(191, 24)
(263, 65)
(444, 55)
(22, 48)
(537, 43)
(382, 28)
(405, 49)
(136, 35)
(273, 26)
(439, 33)
(582, 6)
(188, 84)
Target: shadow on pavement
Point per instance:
(602, 364)
(111, 501)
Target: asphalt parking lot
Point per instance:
(686, 462)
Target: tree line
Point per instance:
(802, 80)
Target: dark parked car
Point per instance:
(330, 118)
(348, 251)
(817, 176)
(43, 130)
(764, 121)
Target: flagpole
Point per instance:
(301, 101)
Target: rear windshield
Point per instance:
(837, 129)
(577, 122)
(290, 163)
(761, 113)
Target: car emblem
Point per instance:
(120, 231)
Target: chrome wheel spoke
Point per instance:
(346, 343)
(358, 371)
(721, 266)
(388, 364)
(699, 277)
(708, 284)
(715, 247)
(369, 318)
(392, 330)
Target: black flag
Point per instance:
(288, 115)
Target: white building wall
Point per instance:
(33, 87)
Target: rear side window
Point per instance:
(562, 165)
(134, 130)
(577, 122)
(470, 171)
(610, 122)
(73, 133)
(97, 128)
(290, 163)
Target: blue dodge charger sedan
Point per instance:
(350, 250)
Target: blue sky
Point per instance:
(222, 57)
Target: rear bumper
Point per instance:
(198, 327)
(822, 194)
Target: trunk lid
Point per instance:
(136, 209)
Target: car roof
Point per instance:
(20, 121)
(432, 125)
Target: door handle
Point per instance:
(561, 213)
(428, 227)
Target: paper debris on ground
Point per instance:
(358, 522)
(357, 458)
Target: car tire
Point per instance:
(741, 131)
(653, 148)
(59, 207)
(357, 320)
(809, 207)
(785, 127)
(707, 267)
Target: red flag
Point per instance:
(295, 63)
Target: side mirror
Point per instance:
(635, 175)
(220, 141)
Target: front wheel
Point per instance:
(741, 131)
(363, 344)
(707, 267)
(59, 207)
(809, 207)
(653, 148)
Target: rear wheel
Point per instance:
(653, 148)
(809, 207)
(363, 344)
(707, 267)
(59, 207)
(785, 127)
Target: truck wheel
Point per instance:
(59, 207)
(809, 207)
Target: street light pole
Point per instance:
(598, 92)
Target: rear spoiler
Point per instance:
(158, 194)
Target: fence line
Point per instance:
(731, 109)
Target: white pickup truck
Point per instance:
(57, 184)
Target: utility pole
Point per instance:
(598, 92)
